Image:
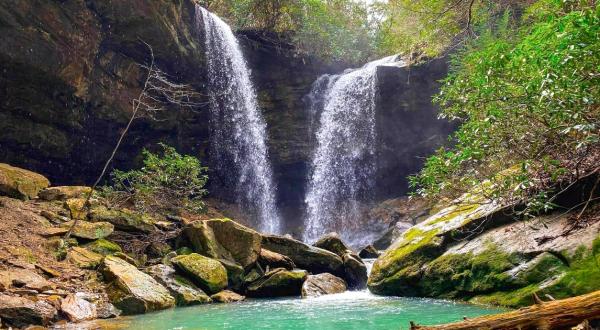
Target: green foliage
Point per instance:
(334, 29)
(166, 182)
(527, 97)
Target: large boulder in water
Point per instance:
(313, 259)
(20, 183)
(224, 239)
(209, 274)
(368, 252)
(355, 271)
(333, 243)
(21, 312)
(227, 296)
(278, 283)
(322, 284)
(184, 291)
(133, 291)
(272, 260)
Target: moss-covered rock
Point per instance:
(209, 274)
(62, 193)
(278, 283)
(76, 208)
(20, 183)
(90, 230)
(213, 238)
(183, 290)
(103, 247)
(398, 270)
(84, 258)
(133, 291)
(227, 296)
(124, 219)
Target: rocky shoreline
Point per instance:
(186, 261)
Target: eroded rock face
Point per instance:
(278, 283)
(21, 312)
(20, 183)
(209, 274)
(322, 284)
(133, 291)
(313, 259)
(183, 290)
(84, 258)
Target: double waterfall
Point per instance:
(238, 130)
(344, 159)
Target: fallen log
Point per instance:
(557, 314)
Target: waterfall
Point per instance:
(344, 160)
(239, 154)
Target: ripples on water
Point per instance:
(348, 310)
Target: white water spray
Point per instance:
(238, 130)
(344, 161)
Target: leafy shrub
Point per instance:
(528, 100)
(166, 182)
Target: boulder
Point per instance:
(84, 258)
(235, 273)
(274, 260)
(368, 252)
(127, 258)
(313, 259)
(106, 310)
(133, 291)
(62, 193)
(76, 208)
(226, 296)
(78, 309)
(90, 230)
(322, 284)
(20, 183)
(21, 312)
(209, 274)
(184, 291)
(103, 247)
(332, 243)
(214, 238)
(123, 219)
(278, 283)
(355, 271)
(24, 278)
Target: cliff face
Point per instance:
(69, 70)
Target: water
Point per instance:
(239, 153)
(344, 160)
(350, 310)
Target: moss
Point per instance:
(207, 273)
(516, 298)
(465, 275)
(103, 247)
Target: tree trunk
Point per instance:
(558, 314)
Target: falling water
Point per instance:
(344, 161)
(238, 141)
